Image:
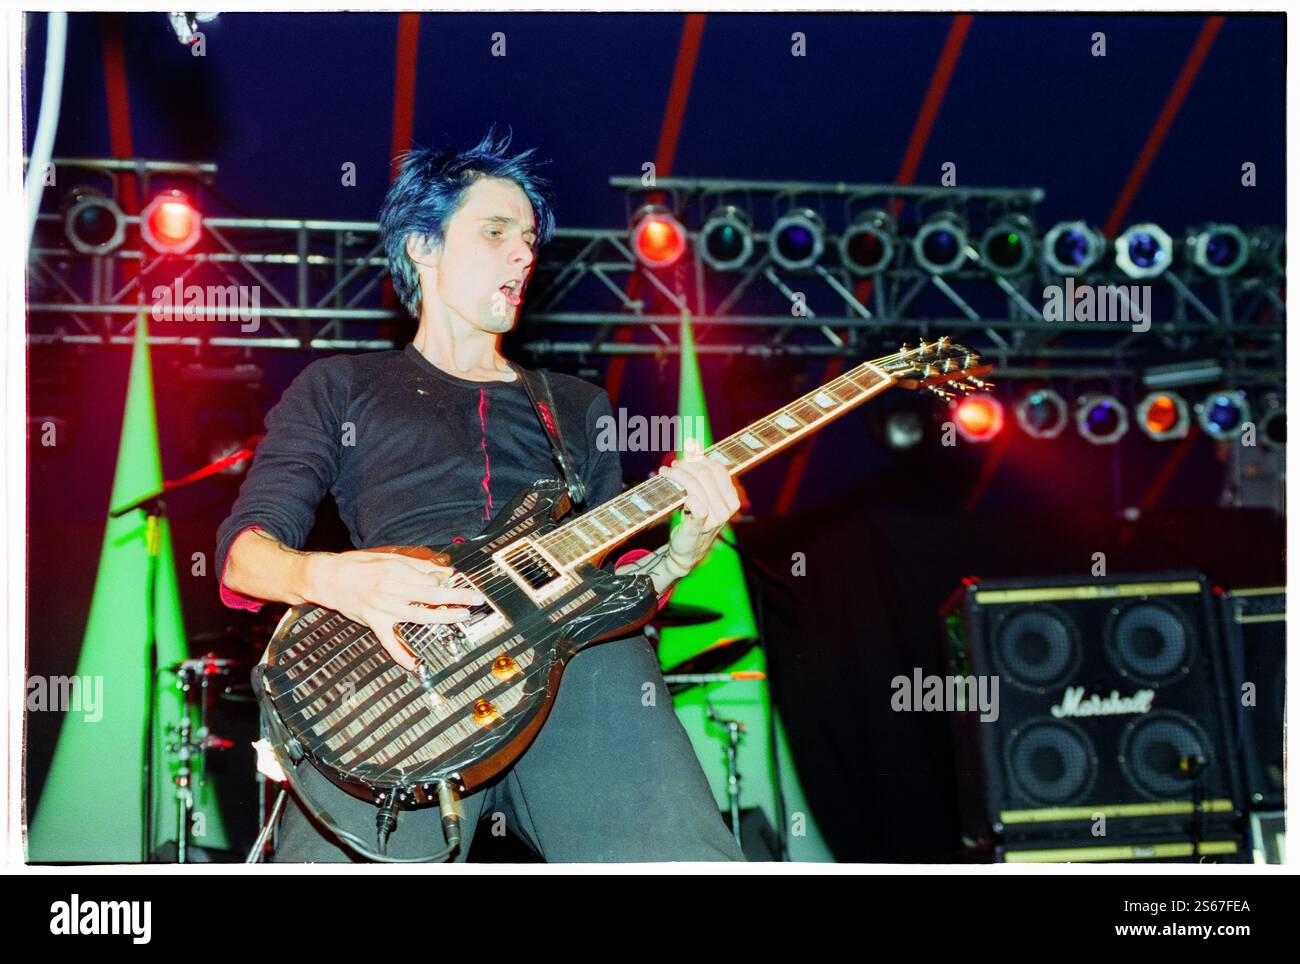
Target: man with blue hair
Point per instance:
(421, 446)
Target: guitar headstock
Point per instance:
(938, 366)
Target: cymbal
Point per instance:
(715, 658)
(681, 614)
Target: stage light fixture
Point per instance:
(1008, 246)
(1042, 414)
(1271, 424)
(727, 239)
(940, 244)
(1071, 248)
(658, 238)
(1222, 414)
(1268, 248)
(92, 223)
(1144, 251)
(867, 247)
(1101, 419)
(978, 416)
(170, 223)
(904, 429)
(798, 239)
(1164, 416)
(1219, 250)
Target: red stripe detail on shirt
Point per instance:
(487, 465)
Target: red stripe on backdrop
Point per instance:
(1173, 103)
(679, 90)
(118, 105)
(408, 43)
(921, 130)
(1161, 481)
(997, 449)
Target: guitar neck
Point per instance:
(594, 533)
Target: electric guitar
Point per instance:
(332, 694)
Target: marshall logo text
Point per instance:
(1076, 703)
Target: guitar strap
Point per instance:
(539, 393)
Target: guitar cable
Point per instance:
(281, 742)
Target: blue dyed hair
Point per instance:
(429, 190)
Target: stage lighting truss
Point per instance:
(1073, 248)
(867, 246)
(1144, 251)
(727, 239)
(1042, 414)
(1101, 419)
(1222, 414)
(320, 282)
(797, 239)
(1163, 416)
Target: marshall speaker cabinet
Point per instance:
(1112, 734)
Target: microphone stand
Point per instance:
(763, 575)
(154, 510)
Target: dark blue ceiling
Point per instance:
(280, 101)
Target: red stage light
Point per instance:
(979, 417)
(657, 237)
(1162, 414)
(171, 224)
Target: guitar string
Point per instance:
(498, 577)
(472, 574)
(426, 632)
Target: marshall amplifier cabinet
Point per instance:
(1110, 731)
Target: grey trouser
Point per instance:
(607, 779)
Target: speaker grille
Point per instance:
(1036, 648)
(1151, 751)
(1151, 643)
(1052, 761)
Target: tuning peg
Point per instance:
(944, 342)
(970, 361)
(928, 371)
(923, 347)
(947, 365)
(940, 392)
(962, 386)
(904, 348)
(981, 383)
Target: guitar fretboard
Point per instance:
(593, 533)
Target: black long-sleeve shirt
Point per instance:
(412, 455)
